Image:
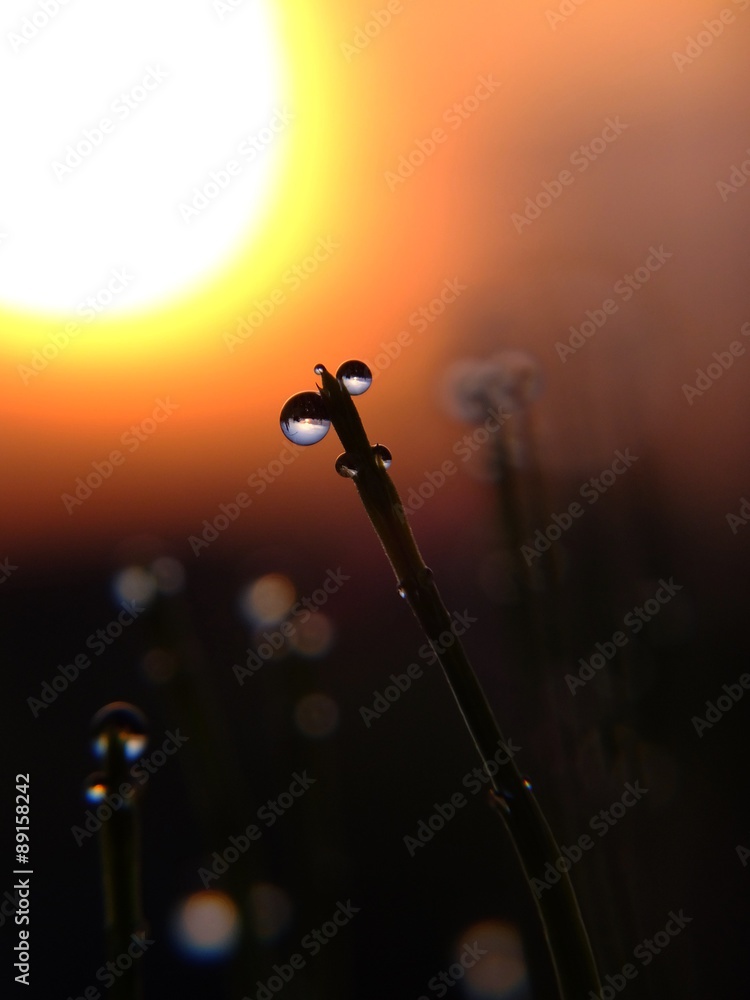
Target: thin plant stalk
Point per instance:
(534, 843)
(121, 874)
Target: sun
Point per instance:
(152, 145)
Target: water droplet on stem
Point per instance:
(383, 454)
(304, 418)
(126, 722)
(355, 376)
(346, 465)
(95, 787)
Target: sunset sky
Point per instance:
(346, 250)
(202, 200)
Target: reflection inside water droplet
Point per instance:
(319, 369)
(527, 784)
(95, 787)
(125, 721)
(355, 376)
(346, 465)
(402, 590)
(383, 454)
(304, 418)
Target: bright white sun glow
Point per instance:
(141, 141)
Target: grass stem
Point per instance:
(512, 795)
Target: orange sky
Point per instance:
(389, 247)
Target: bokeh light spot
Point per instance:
(268, 600)
(207, 926)
(500, 974)
(316, 715)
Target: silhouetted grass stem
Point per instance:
(534, 843)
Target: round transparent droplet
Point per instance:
(346, 465)
(319, 369)
(304, 418)
(95, 787)
(355, 376)
(380, 451)
(124, 721)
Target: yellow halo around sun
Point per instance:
(167, 161)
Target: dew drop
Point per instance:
(95, 787)
(346, 465)
(355, 376)
(402, 591)
(319, 369)
(304, 418)
(527, 785)
(126, 721)
(500, 801)
(380, 451)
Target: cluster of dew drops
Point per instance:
(304, 417)
(126, 722)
